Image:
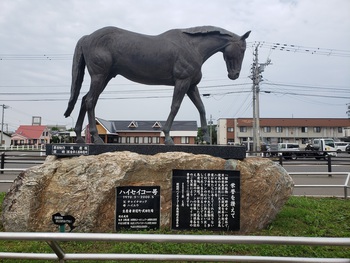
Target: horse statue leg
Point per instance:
(98, 84)
(79, 124)
(180, 90)
(195, 97)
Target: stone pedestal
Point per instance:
(84, 187)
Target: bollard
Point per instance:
(2, 162)
(329, 161)
(280, 157)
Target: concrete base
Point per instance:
(225, 152)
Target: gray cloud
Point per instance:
(50, 27)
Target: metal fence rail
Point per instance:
(345, 186)
(52, 239)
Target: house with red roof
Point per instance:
(31, 135)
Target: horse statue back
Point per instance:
(173, 58)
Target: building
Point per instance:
(276, 130)
(6, 139)
(31, 135)
(145, 132)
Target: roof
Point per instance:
(30, 131)
(114, 126)
(296, 122)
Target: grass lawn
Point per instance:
(301, 216)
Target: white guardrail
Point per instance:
(52, 240)
(345, 186)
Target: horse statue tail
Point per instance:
(78, 70)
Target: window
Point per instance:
(304, 140)
(267, 129)
(317, 129)
(133, 124)
(304, 129)
(243, 129)
(279, 129)
(230, 129)
(155, 139)
(185, 140)
(340, 129)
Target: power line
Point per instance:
(309, 95)
(303, 49)
(136, 90)
(262, 44)
(332, 89)
(36, 57)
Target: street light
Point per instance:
(2, 122)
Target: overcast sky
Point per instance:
(312, 79)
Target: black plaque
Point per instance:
(70, 150)
(206, 199)
(138, 207)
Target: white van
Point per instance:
(340, 146)
(285, 149)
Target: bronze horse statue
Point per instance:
(173, 58)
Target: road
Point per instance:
(339, 164)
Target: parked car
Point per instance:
(341, 146)
(347, 149)
(287, 150)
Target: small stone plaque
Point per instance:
(61, 220)
(138, 207)
(206, 199)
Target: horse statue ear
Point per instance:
(245, 36)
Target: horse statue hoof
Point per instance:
(206, 140)
(80, 140)
(98, 140)
(169, 142)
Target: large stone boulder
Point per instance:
(85, 187)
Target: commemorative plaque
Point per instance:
(138, 207)
(70, 150)
(206, 199)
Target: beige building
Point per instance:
(144, 132)
(275, 130)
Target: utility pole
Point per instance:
(2, 122)
(211, 129)
(256, 76)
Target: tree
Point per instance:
(199, 139)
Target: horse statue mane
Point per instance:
(204, 30)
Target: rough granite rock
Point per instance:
(85, 187)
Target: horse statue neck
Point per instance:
(209, 45)
(209, 40)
